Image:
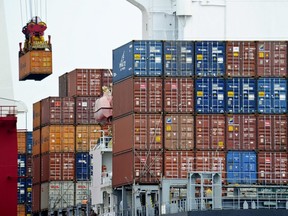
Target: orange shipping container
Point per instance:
(36, 115)
(21, 210)
(57, 138)
(86, 136)
(35, 65)
(36, 142)
(21, 142)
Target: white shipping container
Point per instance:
(82, 191)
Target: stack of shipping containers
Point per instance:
(64, 127)
(204, 106)
(24, 186)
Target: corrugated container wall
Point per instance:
(142, 95)
(137, 58)
(29, 142)
(82, 191)
(21, 165)
(82, 165)
(241, 58)
(36, 196)
(36, 142)
(36, 166)
(210, 95)
(36, 115)
(84, 110)
(21, 142)
(21, 210)
(178, 58)
(87, 136)
(210, 58)
(21, 190)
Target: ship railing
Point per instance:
(8, 111)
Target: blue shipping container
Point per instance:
(272, 94)
(178, 58)
(210, 95)
(29, 209)
(29, 142)
(210, 58)
(241, 94)
(138, 58)
(241, 167)
(21, 165)
(29, 190)
(82, 166)
(21, 190)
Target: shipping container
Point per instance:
(36, 196)
(272, 94)
(21, 210)
(241, 58)
(241, 132)
(179, 132)
(139, 167)
(86, 137)
(210, 132)
(56, 110)
(29, 165)
(36, 115)
(84, 82)
(271, 58)
(141, 132)
(28, 209)
(272, 168)
(82, 191)
(142, 95)
(272, 132)
(29, 142)
(36, 167)
(35, 65)
(210, 58)
(21, 141)
(21, 165)
(28, 191)
(82, 163)
(211, 161)
(178, 58)
(138, 58)
(57, 195)
(177, 164)
(21, 190)
(241, 167)
(210, 95)
(68, 166)
(58, 138)
(241, 94)
(36, 142)
(84, 110)
(178, 95)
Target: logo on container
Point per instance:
(122, 64)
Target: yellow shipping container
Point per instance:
(87, 135)
(21, 142)
(21, 210)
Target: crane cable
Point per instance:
(33, 8)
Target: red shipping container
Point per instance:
(68, 105)
(272, 132)
(241, 132)
(36, 167)
(211, 161)
(36, 194)
(241, 58)
(210, 132)
(68, 167)
(29, 167)
(36, 115)
(137, 94)
(139, 167)
(272, 168)
(179, 132)
(178, 95)
(177, 164)
(138, 131)
(84, 110)
(271, 58)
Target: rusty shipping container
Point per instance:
(36, 191)
(210, 132)
(58, 138)
(272, 132)
(272, 167)
(139, 132)
(211, 161)
(271, 58)
(178, 95)
(57, 167)
(179, 132)
(57, 110)
(35, 65)
(241, 132)
(84, 82)
(29, 167)
(177, 164)
(137, 94)
(21, 210)
(84, 110)
(36, 115)
(143, 167)
(86, 137)
(21, 141)
(241, 58)
(36, 142)
(36, 167)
